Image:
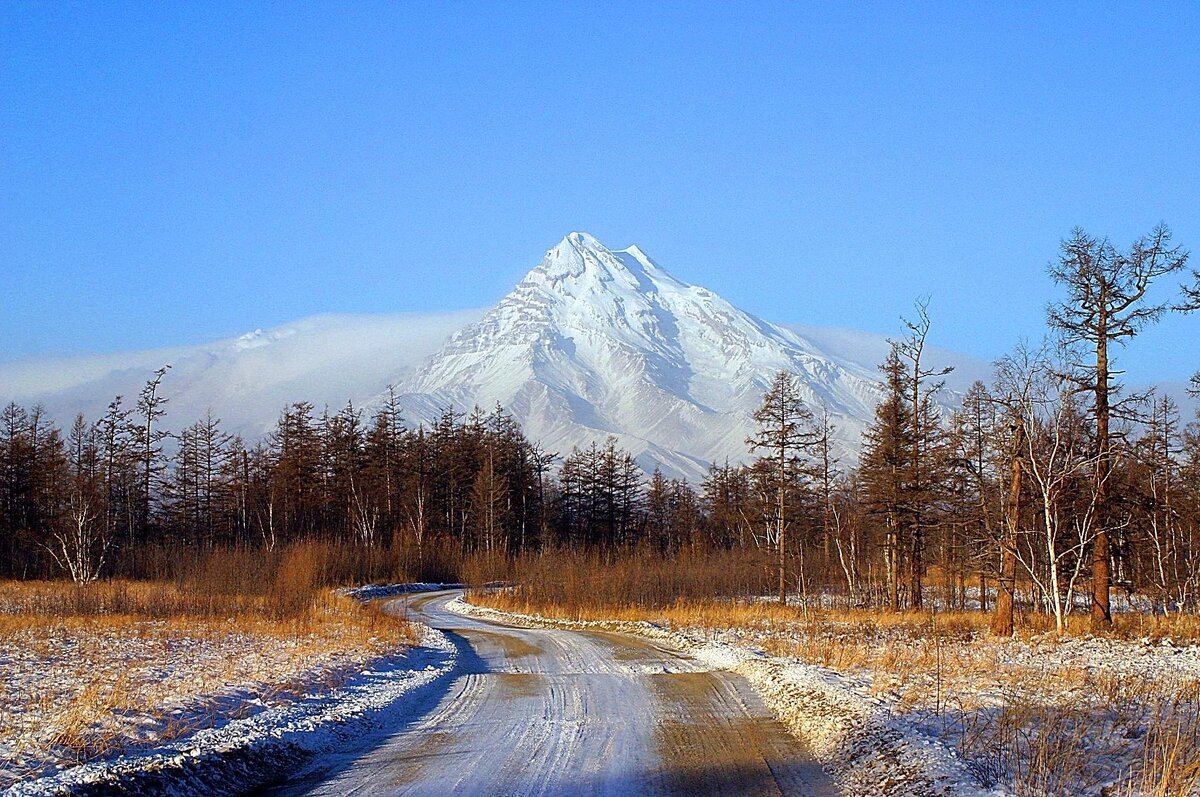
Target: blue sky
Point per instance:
(178, 172)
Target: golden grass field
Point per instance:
(95, 669)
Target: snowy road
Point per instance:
(551, 712)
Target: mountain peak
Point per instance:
(581, 260)
(597, 341)
(582, 240)
(575, 248)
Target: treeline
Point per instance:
(1046, 488)
(88, 502)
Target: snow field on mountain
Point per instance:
(591, 342)
(130, 701)
(595, 342)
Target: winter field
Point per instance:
(112, 668)
(119, 681)
(1036, 714)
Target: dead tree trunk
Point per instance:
(1002, 620)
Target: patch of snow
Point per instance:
(370, 592)
(244, 752)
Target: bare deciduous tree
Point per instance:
(922, 480)
(79, 545)
(1107, 303)
(1059, 466)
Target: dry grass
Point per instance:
(591, 580)
(1170, 765)
(91, 670)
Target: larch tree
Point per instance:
(1002, 619)
(416, 497)
(658, 512)
(1191, 301)
(540, 461)
(149, 438)
(885, 469)
(973, 429)
(295, 472)
(118, 458)
(1107, 302)
(827, 475)
(725, 493)
(1014, 384)
(15, 476)
(784, 429)
(923, 384)
(1155, 496)
(211, 452)
(385, 441)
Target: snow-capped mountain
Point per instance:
(591, 342)
(594, 342)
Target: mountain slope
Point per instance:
(595, 342)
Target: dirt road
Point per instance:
(550, 712)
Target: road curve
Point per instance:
(554, 712)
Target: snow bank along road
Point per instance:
(555, 712)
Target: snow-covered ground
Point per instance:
(1043, 715)
(886, 709)
(370, 592)
(148, 707)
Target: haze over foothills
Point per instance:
(174, 176)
